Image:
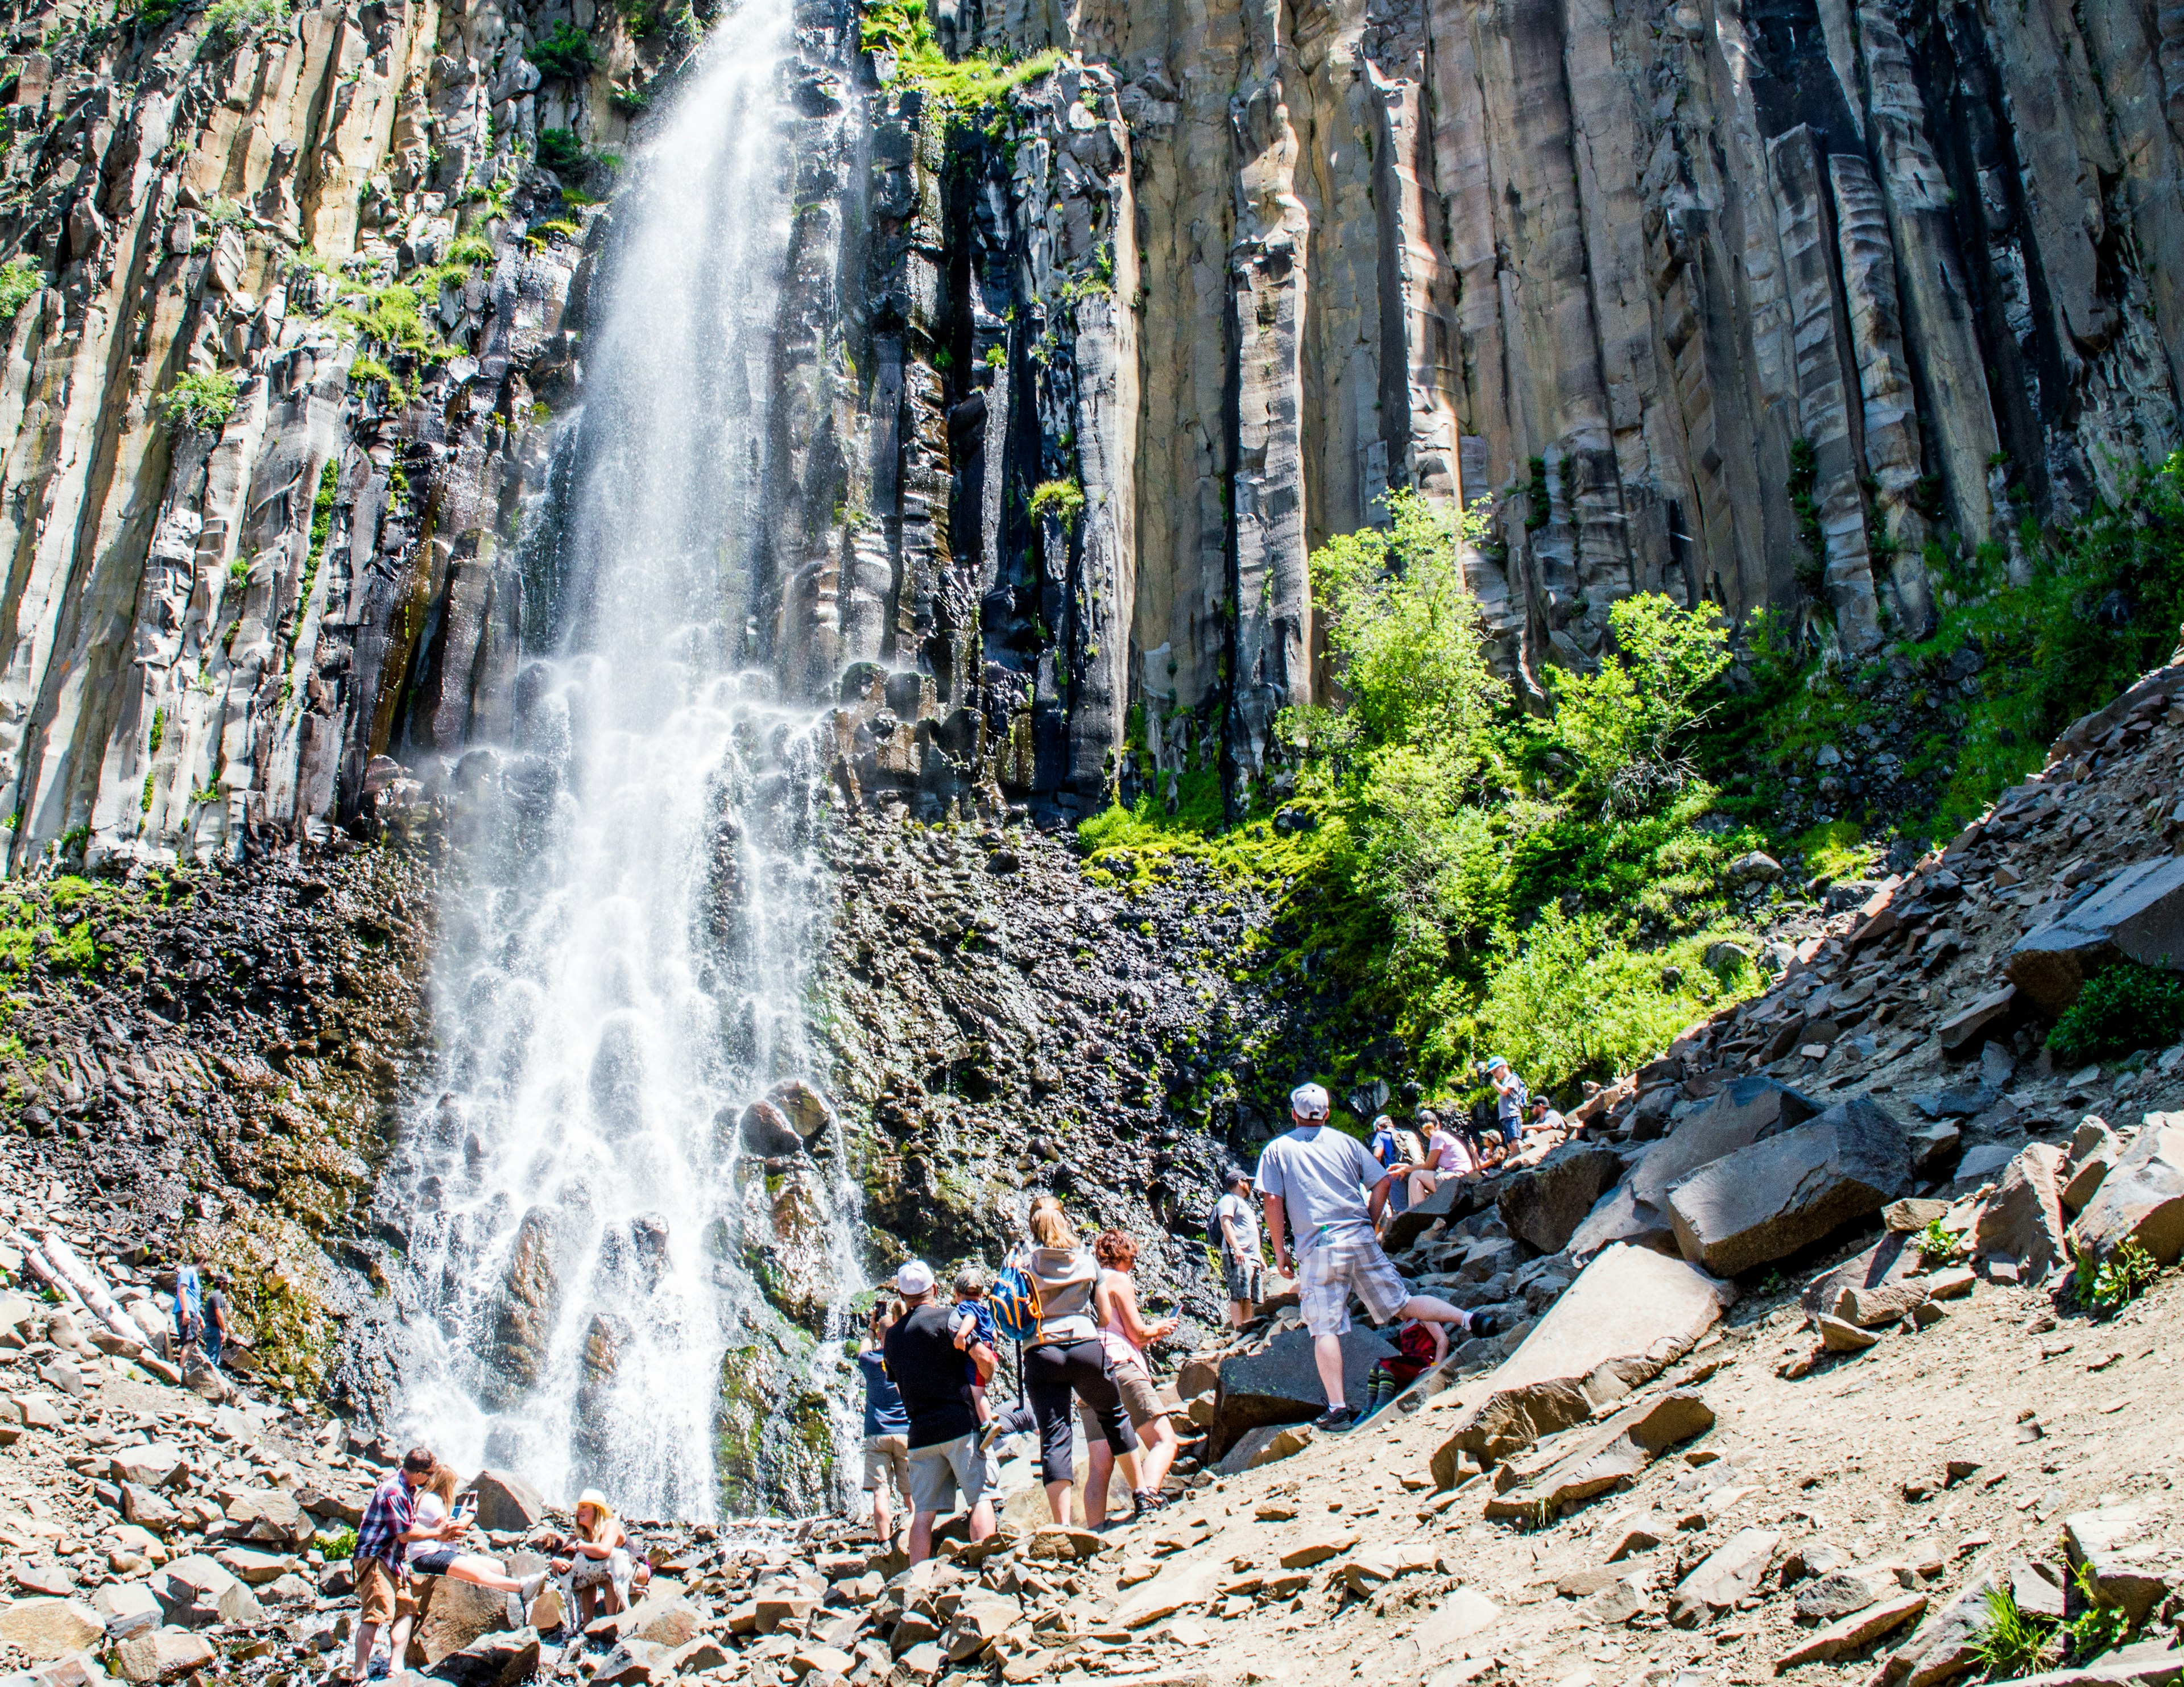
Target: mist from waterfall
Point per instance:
(637, 893)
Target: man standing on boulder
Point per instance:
(945, 1451)
(1317, 1177)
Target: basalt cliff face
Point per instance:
(1744, 304)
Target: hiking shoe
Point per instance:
(532, 1586)
(994, 1430)
(1338, 1422)
(1147, 1502)
(1482, 1324)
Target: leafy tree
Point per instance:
(1625, 727)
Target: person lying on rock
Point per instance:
(1315, 1179)
(596, 1559)
(438, 1527)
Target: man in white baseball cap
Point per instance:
(1317, 1177)
(928, 1371)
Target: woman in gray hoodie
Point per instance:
(1066, 1356)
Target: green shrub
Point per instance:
(2097, 1628)
(2013, 1642)
(2105, 1286)
(19, 281)
(1626, 727)
(1937, 1244)
(970, 84)
(1062, 500)
(155, 14)
(202, 401)
(631, 102)
(233, 21)
(2123, 1008)
(470, 251)
(337, 1545)
(566, 52)
(562, 152)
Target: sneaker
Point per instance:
(1482, 1324)
(531, 1588)
(992, 1433)
(1147, 1502)
(1336, 1421)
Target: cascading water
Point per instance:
(622, 1268)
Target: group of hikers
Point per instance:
(930, 1430)
(930, 1427)
(200, 1312)
(414, 1525)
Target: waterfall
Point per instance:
(628, 1209)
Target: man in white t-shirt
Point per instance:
(1316, 1178)
(1242, 1265)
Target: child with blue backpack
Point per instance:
(973, 1321)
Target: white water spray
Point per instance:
(637, 899)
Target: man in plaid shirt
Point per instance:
(380, 1564)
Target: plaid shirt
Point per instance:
(387, 1515)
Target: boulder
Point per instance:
(1619, 1215)
(1465, 1612)
(494, 1660)
(2094, 1155)
(1280, 1383)
(506, 1503)
(127, 1608)
(807, 1109)
(1790, 1189)
(1631, 1314)
(1855, 1632)
(979, 1622)
(43, 1628)
(2097, 1543)
(254, 1569)
(2022, 1221)
(1749, 1109)
(1726, 1575)
(152, 1465)
(2136, 913)
(2142, 1197)
(452, 1614)
(162, 1654)
(765, 1132)
(1606, 1457)
(1451, 1200)
(272, 1514)
(1543, 1203)
(1888, 1262)
(1990, 1016)
(1264, 1445)
(198, 1592)
(664, 1619)
(1949, 1646)
(1837, 1594)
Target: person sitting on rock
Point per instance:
(439, 1525)
(1447, 1156)
(1386, 1147)
(1417, 1346)
(946, 1456)
(1544, 1117)
(1315, 1178)
(596, 1559)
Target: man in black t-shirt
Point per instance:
(928, 1372)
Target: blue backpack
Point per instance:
(1014, 1301)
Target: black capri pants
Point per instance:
(1052, 1372)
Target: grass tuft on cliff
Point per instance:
(901, 29)
(203, 400)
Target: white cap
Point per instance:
(914, 1278)
(1308, 1101)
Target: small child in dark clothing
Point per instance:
(1418, 1345)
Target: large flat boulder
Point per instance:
(2141, 1198)
(2136, 913)
(1745, 1111)
(1613, 1454)
(44, 1629)
(495, 1660)
(452, 1614)
(1280, 1383)
(1787, 1191)
(1632, 1313)
(1543, 1203)
(1876, 1278)
(507, 1503)
(2022, 1222)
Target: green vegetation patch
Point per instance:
(200, 401)
(2121, 1009)
(1063, 501)
(968, 85)
(20, 281)
(566, 52)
